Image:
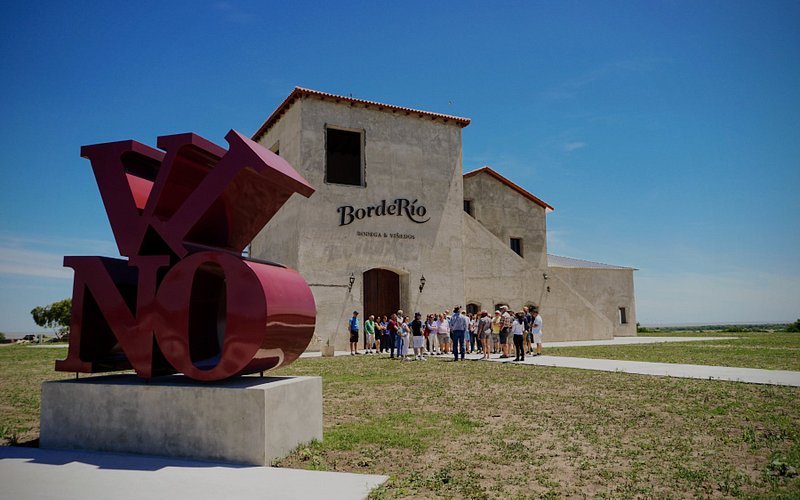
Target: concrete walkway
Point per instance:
(33, 473)
(747, 375)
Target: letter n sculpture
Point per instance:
(185, 300)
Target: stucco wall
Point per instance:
(608, 290)
(464, 259)
(495, 274)
(274, 242)
(406, 157)
(507, 214)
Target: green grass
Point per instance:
(491, 430)
(768, 350)
(22, 370)
(549, 432)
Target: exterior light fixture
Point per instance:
(352, 280)
(544, 275)
(421, 283)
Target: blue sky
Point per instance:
(665, 134)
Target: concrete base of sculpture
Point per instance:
(249, 420)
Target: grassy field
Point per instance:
(491, 430)
(22, 371)
(772, 351)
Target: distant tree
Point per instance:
(55, 317)
(794, 327)
(2, 336)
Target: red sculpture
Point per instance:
(186, 300)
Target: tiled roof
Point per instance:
(300, 92)
(558, 261)
(526, 194)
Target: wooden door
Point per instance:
(381, 293)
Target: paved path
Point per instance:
(33, 473)
(748, 375)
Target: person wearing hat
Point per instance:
(458, 326)
(352, 325)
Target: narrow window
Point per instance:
(276, 148)
(516, 245)
(623, 317)
(343, 157)
(468, 207)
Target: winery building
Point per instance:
(396, 224)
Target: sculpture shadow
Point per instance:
(108, 460)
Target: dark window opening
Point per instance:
(276, 148)
(473, 308)
(623, 317)
(468, 207)
(516, 246)
(343, 157)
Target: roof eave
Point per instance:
(300, 92)
(488, 170)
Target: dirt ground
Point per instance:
(490, 430)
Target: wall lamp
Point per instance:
(421, 283)
(544, 275)
(352, 280)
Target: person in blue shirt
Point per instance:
(458, 325)
(353, 327)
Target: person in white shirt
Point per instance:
(537, 331)
(518, 331)
(444, 334)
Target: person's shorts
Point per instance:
(495, 338)
(444, 338)
(529, 336)
(486, 336)
(537, 338)
(370, 338)
(466, 336)
(503, 337)
(419, 342)
(353, 335)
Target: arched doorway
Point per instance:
(473, 308)
(381, 292)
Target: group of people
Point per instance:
(458, 333)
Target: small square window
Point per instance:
(623, 316)
(516, 246)
(468, 207)
(344, 157)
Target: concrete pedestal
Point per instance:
(249, 420)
